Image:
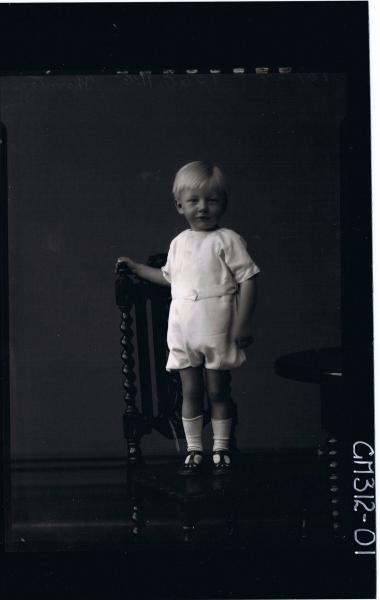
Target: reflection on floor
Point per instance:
(278, 543)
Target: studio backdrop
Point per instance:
(91, 162)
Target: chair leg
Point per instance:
(136, 504)
(189, 520)
(232, 522)
(338, 469)
(137, 514)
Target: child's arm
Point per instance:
(246, 304)
(149, 273)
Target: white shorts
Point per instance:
(199, 333)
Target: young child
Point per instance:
(213, 292)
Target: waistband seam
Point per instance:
(200, 294)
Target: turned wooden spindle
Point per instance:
(132, 418)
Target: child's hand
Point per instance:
(242, 334)
(131, 264)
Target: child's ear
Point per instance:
(178, 206)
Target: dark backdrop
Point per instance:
(91, 163)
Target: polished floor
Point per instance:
(266, 534)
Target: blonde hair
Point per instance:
(195, 175)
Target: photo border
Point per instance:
(313, 37)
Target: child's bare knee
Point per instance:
(218, 396)
(192, 395)
(192, 391)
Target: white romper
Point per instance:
(204, 269)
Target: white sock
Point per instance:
(222, 431)
(193, 432)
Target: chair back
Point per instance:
(157, 404)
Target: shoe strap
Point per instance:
(222, 463)
(191, 463)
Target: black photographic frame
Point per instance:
(310, 36)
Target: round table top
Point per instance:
(313, 366)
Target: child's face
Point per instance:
(202, 208)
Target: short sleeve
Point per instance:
(238, 260)
(167, 268)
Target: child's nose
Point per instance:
(202, 204)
